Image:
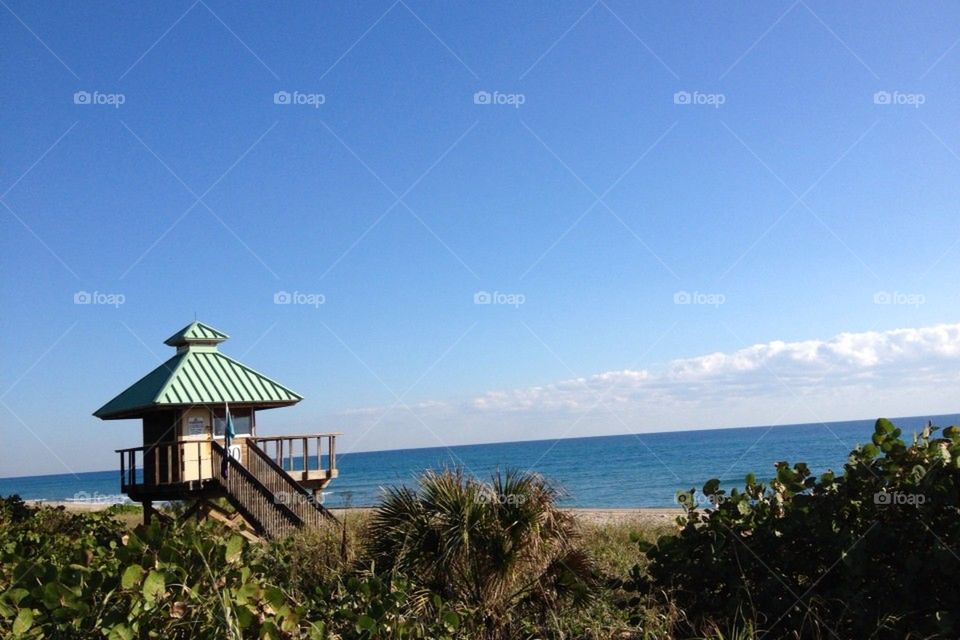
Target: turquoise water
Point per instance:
(642, 470)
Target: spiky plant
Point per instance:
(499, 549)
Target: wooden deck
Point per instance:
(302, 456)
(274, 491)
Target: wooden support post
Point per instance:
(332, 454)
(147, 512)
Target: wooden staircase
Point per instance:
(270, 500)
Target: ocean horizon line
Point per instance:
(533, 441)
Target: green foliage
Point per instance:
(869, 553)
(64, 574)
(314, 557)
(324, 569)
(368, 607)
(13, 510)
(502, 551)
(81, 575)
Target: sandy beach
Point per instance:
(586, 515)
(79, 507)
(658, 516)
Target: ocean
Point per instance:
(624, 471)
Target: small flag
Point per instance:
(228, 435)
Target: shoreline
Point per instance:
(590, 515)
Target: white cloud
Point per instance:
(842, 353)
(851, 375)
(854, 356)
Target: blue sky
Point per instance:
(787, 201)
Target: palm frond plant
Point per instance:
(498, 549)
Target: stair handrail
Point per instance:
(290, 482)
(218, 453)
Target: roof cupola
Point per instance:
(196, 334)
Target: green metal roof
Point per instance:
(198, 374)
(196, 332)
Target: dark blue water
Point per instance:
(642, 470)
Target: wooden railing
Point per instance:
(165, 463)
(301, 453)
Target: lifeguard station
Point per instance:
(273, 482)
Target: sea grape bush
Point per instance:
(371, 607)
(872, 552)
(69, 575)
(65, 575)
